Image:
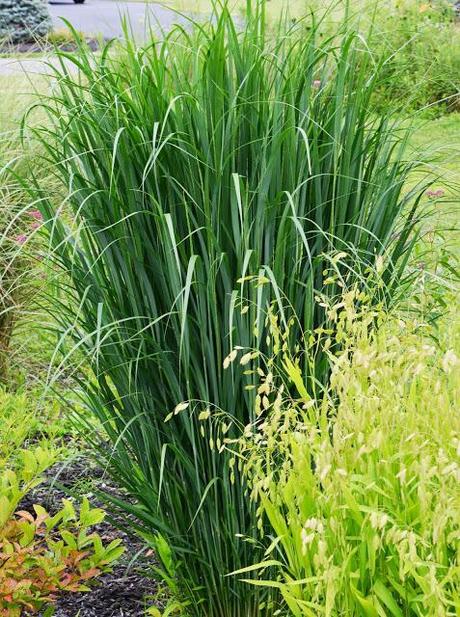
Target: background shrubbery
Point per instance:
(420, 45)
(23, 20)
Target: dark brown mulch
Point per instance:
(130, 588)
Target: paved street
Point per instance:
(97, 17)
(104, 17)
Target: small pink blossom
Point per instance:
(35, 225)
(36, 214)
(317, 84)
(435, 194)
(21, 239)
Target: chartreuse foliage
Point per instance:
(222, 153)
(40, 555)
(365, 510)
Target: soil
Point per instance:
(130, 588)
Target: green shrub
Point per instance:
(421, 43)
(22, 21)
(365, 511)
(208, 175)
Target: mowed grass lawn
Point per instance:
(440, 139)
(275, 8)
(441, 136)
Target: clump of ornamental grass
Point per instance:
(364, 512)
(206, 175)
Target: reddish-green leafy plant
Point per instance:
(43, 555)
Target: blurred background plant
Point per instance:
(20, 221)
(17, 263)
(63, 36)
(420, 42)
(9, 286)
(23, 21)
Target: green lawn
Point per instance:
(441, 137)
(276, 7)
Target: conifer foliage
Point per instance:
(22, 21)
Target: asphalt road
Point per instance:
(104, 17)
(97, 17)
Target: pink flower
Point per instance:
(316, 84)
(35, 225)
(435, 194)
(21, 239)
(36, 214)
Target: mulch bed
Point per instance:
(130, 588)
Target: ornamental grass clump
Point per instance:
(207, 174)
(365, 512)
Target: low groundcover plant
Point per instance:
(42, 556)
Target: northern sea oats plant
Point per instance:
(220, 155)
(364, 512)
